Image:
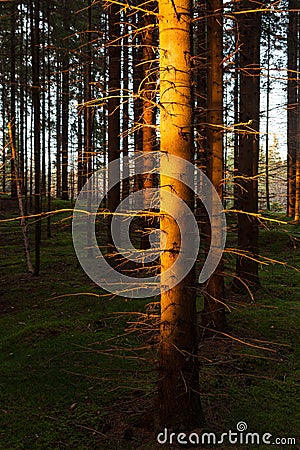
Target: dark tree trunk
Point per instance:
(114, 88)
(268, 116)
(88, 117)
(236, 105)
(12, 118)
(80, 147)
(3, 98)
(58, 127)
(213, 314)
(246, 266)
(292, 119)
(22, 83)
(148, 120)
(35, 41)
(49, 124)
(125, 168)
(138, 103)
(65, 128)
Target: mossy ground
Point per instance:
(71, 377)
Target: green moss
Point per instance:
(61, 387)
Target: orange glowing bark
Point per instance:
(179, 400)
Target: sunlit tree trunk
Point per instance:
(213, 315)
(178, 386)
(246, 265)
(292, 106)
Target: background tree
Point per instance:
(213, 315)
(292, 48)
(249, 66)
(35, 43)
(114, 91)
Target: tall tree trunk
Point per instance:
(12, 118)
(26, 140)
(80, 176)
(35, 42)
(88, 119)
(200, 90)
(297, 157)
(22, 83)
(138, 103)
(20, 202)
(49, 124)
(125, 168)
(178, 385)
(236, 105)
(58, 127)
(65, 127)
(43, 109)
(114, 91)
(297, 186)
(148, 120)
(268, 115)
(3, 98)
(246, 264)
(292, 37)
(213, 315)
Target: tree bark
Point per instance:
(58, 127)
(80, 176)
(236, 105)
(178, 387)
(268, 116)
(213, 314)
(35, 8)
(13, 12)
(88, 118)
(3, 111)
(125, 167)
(114, 91)
(292, 106)
(148, 120)
(65, 127)
(246, 265)
(17, 181)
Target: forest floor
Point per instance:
(78, 367)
